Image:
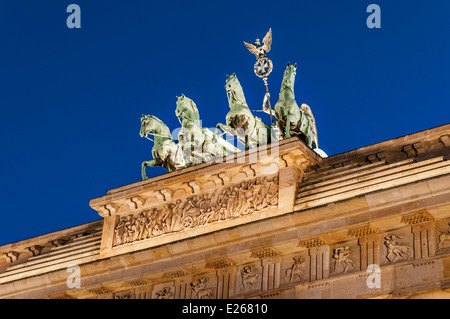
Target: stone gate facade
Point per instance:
(277, 221)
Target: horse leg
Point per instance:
(152, 163)
(187, 151)
(247, 141)
(192, 148)
(265, 136)
(198, 147)
(287, 129)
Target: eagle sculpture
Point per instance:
(260, 50)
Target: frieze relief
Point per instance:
(443, 234)
(292, 269)
(165, 293)
(444, 238)
(342, 260)
(396, 248)
(235, 201)
(124, 295)
(202, 289)
(297, 270)
(249, 278)
(165, 290)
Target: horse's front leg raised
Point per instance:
(151, 163)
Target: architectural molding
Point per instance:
(283, 223)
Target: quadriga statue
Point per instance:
(250, 129)
(198, 143)
(293, 120)
(190, 136)
(166, 152)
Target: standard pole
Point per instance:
(268, 100)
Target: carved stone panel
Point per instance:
(345, 257)
(165, 290)
(248, 278)
(129, 294)
(204, 287)
(442, 233)
(295, 268)
(245, 198)
(397, 246)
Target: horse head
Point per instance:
(186, 109)
(234, 89)
(146, 126)
(289, 77)
(152, 124)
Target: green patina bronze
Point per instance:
(293, 120)
(190, 136)
(198, 143)
(166, 152)
(250, 130)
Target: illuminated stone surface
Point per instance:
(274, 222)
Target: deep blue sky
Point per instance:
(71, 99)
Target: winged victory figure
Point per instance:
(258, 49)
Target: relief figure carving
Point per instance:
(341, 257)
(295, 272)
(201, 290)
(443, 237)
(234, 201)
(395, 251)
(250, 278)
(165, 293)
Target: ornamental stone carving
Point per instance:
(35, 250)
(296, 271)
(342, 261)
(417, 217)
(443, 237)
(244, 198)
(164, 293)
(395, 251)
(251, 278)
(200, 289)
(11, 256)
